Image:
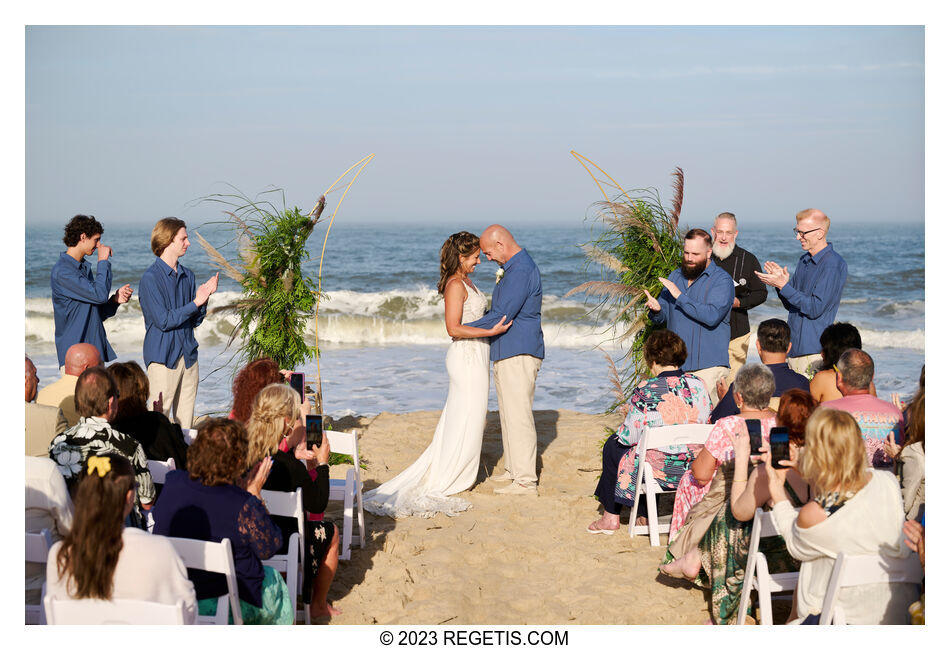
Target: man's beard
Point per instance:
(722, 252)
(693, 271)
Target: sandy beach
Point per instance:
(508, 559)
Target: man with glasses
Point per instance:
(813, 293)
(741, 265)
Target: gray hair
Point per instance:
(856, 369)
(755, 383)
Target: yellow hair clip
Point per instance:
(101, 464)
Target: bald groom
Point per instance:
(516, 355)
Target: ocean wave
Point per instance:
(902, 308)
(907, 339)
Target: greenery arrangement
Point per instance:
(278, 299)
(641, 242)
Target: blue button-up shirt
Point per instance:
(700, 316)
(80, 304)
(168, 305)
(517, 295)
(812, 296)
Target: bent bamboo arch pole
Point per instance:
(358, 166)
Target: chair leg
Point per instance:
(359, 514)
(652, 521)
(765, 595)
(347, 517)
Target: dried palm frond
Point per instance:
(678, 182)
(611, 290)
(219, 260)
(603, 258)
(613, 376)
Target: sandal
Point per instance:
(595, 529)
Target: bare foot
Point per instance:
(687, 566)
(605, 525)
(318, 611)
(641, 521)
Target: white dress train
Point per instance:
(450, 463)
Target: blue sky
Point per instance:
(134, 123)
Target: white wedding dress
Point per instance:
(450, 463)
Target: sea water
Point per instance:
(382, 333)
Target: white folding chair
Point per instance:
(853, 570)
(159, 468)
(289, 504)
(349, 490)
(189, 435)
(215, 557)
(37, 550)
(120, 611)
(757, 574)
(654, 438)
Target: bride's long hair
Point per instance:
(461, 244)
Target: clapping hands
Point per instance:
(774, 275)
(204, 292)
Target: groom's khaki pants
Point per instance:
(514, 384)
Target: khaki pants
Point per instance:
(514, 384)
(178, 386)
(710, 376)
(738, 352)
(803, 364)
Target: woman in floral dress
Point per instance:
(670, 397)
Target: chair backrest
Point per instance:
(189, 435)
(159, 468)
(215, 557)
(120, 611)
(853, 570)
(676, 434)
(37, 546)
(344, 442)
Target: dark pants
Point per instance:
(613, 454)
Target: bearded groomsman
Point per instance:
(751, 292)
(695, 304)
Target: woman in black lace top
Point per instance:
(275, 429)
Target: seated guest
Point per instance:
(671, 397)
(702, 490)
(249, 381)
(47, 506)
(836, 338)
(877, 418)
(42, 422)
(724, 549)
(852, 511)
(59, 394)
(914, 538)
(275, 429)
(96, 402)
(909, 457)
(207, 503)
(773, 341)
(101, 558)
(159, 437)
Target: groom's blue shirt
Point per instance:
(518, 296)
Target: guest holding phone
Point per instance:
(249, 381)
(275, 429)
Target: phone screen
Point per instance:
(778, 444)
(314, 430)
(296, 382)
(755, 436)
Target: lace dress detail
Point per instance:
(450, 463)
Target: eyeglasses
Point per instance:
(802, 233)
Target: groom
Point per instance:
(516, 355)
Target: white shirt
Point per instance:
(47, 506)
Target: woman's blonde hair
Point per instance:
(834, 458)
(267, 424)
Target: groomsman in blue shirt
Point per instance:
(695, 304)
(172, 308)
(80, 301)
(812, 295)
(516, 355)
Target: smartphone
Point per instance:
(296, 382)
(314, 430)
(778, 444)
(755, 436)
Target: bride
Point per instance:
(450, 462)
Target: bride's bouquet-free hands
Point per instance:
(314, 456)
